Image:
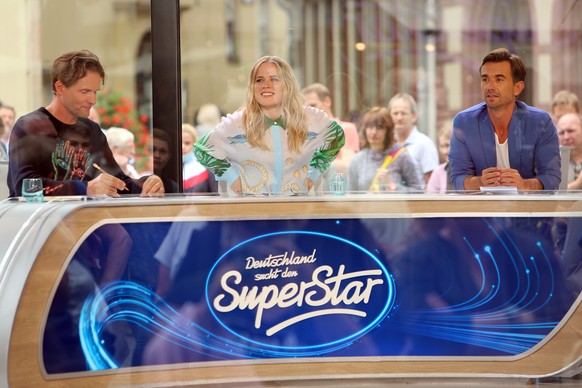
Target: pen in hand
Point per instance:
(103, 171)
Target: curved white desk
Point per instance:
(349, 242)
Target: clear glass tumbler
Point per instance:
(32, 189)
(338, 184)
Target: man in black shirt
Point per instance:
(41, 145)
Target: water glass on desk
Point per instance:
(338, 184)
(32, 189)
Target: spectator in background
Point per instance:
(197, 179)
(502, 141)
(382, 165)
(207, 118)
(564, 102)
(161, 150)
(318, 96)
(403, 109)
(8, 116)
(570, 135)
(273, 144)
(94, 116)
(122, 143)
(440, 179)
(3, 150)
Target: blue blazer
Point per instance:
(534, 149)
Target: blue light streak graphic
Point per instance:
(507, 311)
(486, 319)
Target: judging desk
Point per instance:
(193, 290)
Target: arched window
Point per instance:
(143, 76)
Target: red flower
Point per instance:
(144, 139)
(118, 110)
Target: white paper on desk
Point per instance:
(499, 189)
(58, 198)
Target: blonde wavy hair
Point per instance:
(292, 108)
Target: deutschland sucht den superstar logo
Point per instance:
(299, 293)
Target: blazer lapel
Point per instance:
(487, 134)
(515, 137)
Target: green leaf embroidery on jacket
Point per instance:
(334, 140)
(202, 152)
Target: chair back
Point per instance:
(565, 157)
(3, 179)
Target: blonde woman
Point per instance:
(273, 144)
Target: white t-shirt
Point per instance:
(502, 152)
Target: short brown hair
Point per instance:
(504, 55)
(377, 117)
(74, 65)
(566, 97)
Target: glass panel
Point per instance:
(366, 51)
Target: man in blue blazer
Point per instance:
(502, 141)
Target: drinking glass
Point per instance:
(32, 189)
(338, 184)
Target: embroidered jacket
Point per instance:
(227, 154)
